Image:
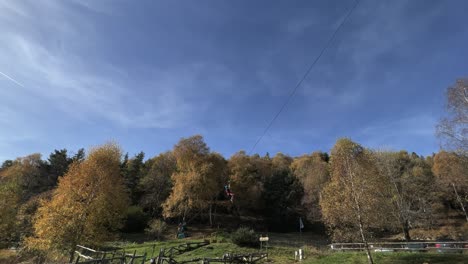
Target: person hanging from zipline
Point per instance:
(227, 190)
(181, 228)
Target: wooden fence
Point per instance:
(250, 258)
(85, 255)
(182, 248)
(438, 246)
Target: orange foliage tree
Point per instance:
(87, 206)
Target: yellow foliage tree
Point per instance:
(312, 171)
(88, 204)
(353, 202)
(246, 179)
(9, 203)
(198, 179)
(18, 183)
(451, 170)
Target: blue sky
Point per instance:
(146, 73)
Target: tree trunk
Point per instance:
(460, 201)
(361, 227)
(211, 220)
(72, 256)
(364, 240)
(406, 229)
(399, 207)
(359, 216)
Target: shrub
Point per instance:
(156, 228)
(136, 220)
(245, 237)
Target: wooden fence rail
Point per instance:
(251, 258)
(85, 255)
(439, 246)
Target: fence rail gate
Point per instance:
(85, 255)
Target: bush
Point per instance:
(245, 237)
(136, 220)
(156, 228)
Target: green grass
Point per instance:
(277, 254)
(280, 254)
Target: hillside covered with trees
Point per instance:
(358, 194)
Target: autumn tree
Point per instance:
(410, 189)
(451, 170)
(281, 162)
(453, 129)
(263, 165)
(312, 171)
(26, 212)
(22, 180)
(156, 184)
(352, 202)
(421, 183)
(200, 176)
(246, 180)
(30, 173)
(87, 206)
(9, 204)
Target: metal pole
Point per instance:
(300, 232)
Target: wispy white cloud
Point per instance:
(55, 67)
(56, 88)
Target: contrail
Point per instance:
(11, 79)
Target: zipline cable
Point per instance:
(306, 74)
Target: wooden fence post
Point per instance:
(133, 257)
(103, 257)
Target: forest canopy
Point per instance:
(356, 193)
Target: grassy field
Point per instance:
(283, 254)
(279, 254)
(281, 250)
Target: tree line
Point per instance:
(357, 193)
